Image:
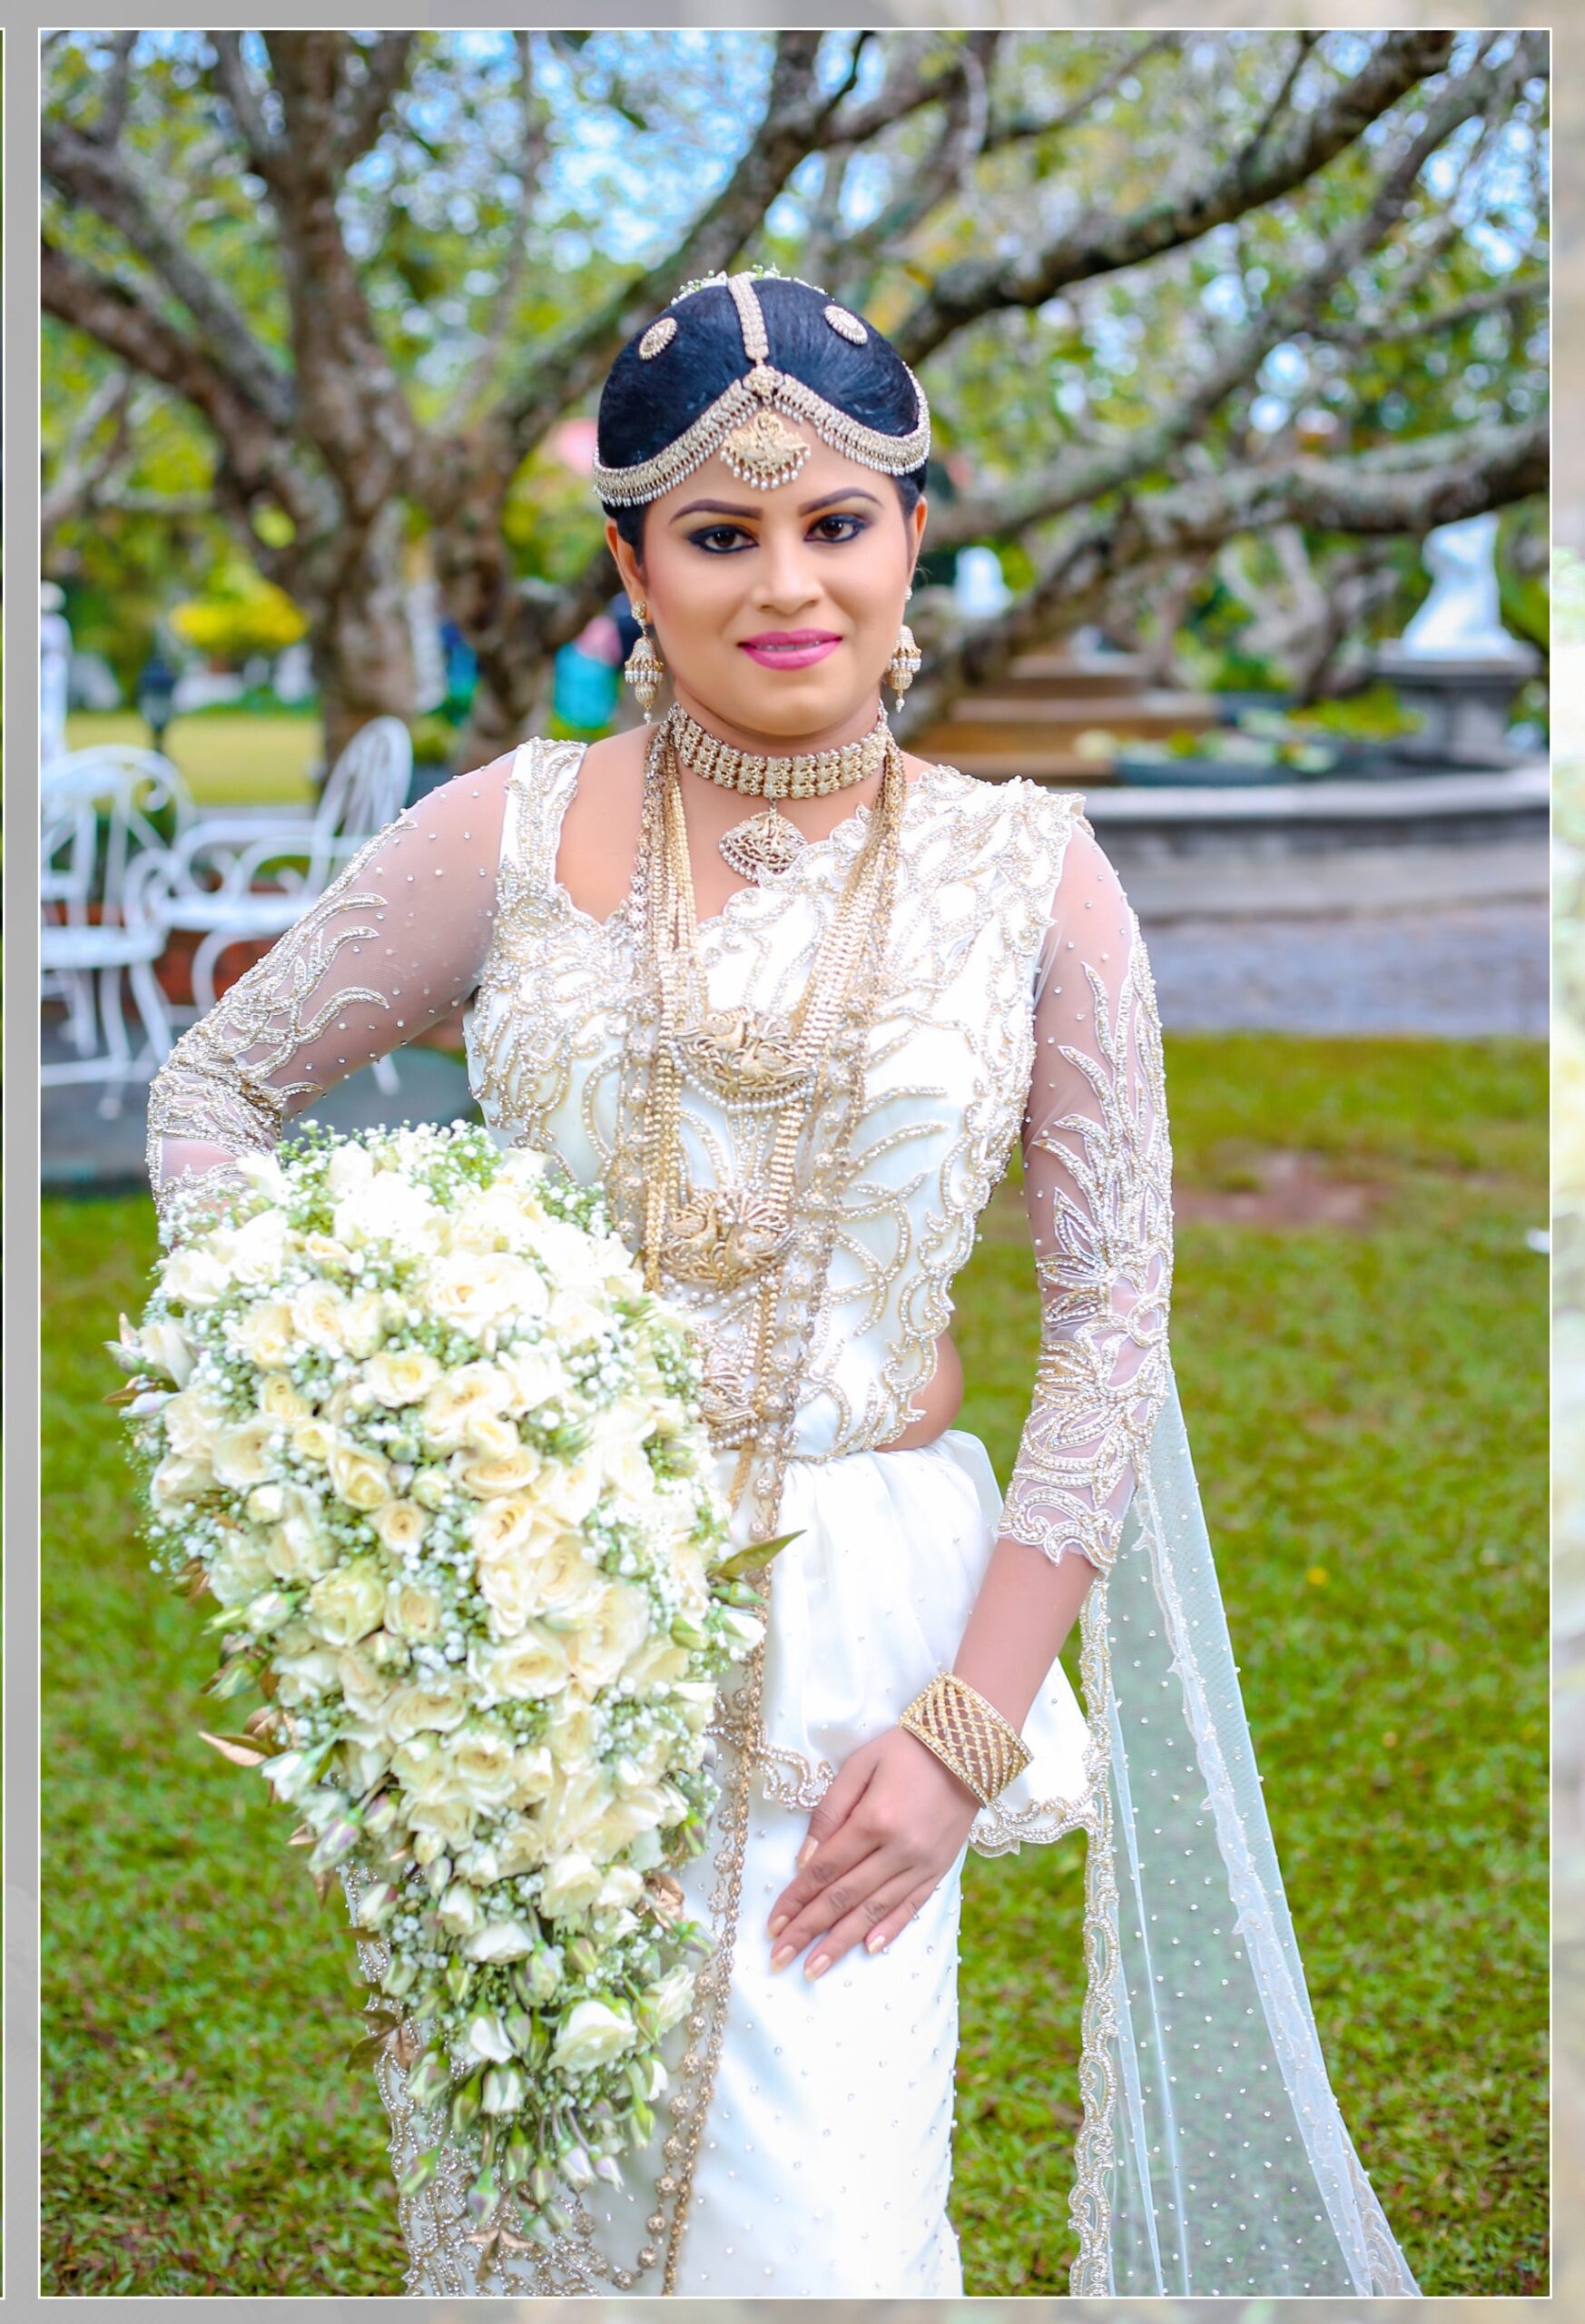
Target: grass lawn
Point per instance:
(230, 759)
(1367, 1409)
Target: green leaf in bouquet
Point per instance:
(364, 2052)
(239, 1749)
(418, 2172)
(753, 1559)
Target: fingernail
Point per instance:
(874, 1941)
(821, 1963)
(778, 1925)
(804, 1852)
(782, 1956)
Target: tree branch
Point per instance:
(231, 77)
(362, 104)
(533, 148)
(250, 443)
(1106, 242)
(788, 129)
(1072, 481)
(103, 180)
(1017, 128)
(1433, 481)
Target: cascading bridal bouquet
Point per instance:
(407, 1411)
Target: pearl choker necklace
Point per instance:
(808, 775)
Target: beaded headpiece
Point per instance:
(748, 423)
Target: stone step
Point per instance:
(980, 722)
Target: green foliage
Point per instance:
(241, 614)
(1365, 1405)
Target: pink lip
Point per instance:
(789, 649)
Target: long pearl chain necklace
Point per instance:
(767, 844)
(810, 1066)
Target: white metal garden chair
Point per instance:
(103, 852)
(234, 877)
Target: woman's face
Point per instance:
(776, 612)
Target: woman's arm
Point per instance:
(1097, 1185)
(391, 947)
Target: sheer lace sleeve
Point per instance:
(392, 947)
(1098, 1173)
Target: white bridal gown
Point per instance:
(1017, 997)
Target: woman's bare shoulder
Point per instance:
(599, 832)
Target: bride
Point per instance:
(794, 995)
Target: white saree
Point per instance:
(1017, 1000)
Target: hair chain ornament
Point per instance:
(747, 421)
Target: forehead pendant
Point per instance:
(763, 449)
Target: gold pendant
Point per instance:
(767, 844)
(737, 1057)
(722, 1235)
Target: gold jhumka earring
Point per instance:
(644, 669)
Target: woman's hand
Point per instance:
(888, 1829)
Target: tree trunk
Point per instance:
(362, 642)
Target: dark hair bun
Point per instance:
(648, 403)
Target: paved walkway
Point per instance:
(1457, 969)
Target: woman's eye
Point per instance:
(726, 540)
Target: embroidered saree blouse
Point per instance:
(1018, 1007)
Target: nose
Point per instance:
(784, 581)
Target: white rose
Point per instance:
(313, 1438)
(499, 1941)
(243, 1454)
(668, 1999)
(488, 1475)
(482, 1762)
(346, 1604)
(575, 1800)
(278, 1401)
(412, 1612)
(535, 1376)
(390, 1209)
(488, 2037)
(455, 1397)
(493, 1434)
(567, 1583)
(421, 1765)
(351, 1170)
(238, 1573)
(258, 1248)
(657, 1663)
(319, 1317)
(575, 1314)
(644, 1808)
(521, 1849)
(591, 2034)
(298, 1549)
(429, 1703)
(472, 1288)
(307, 1677)
(165, 1346)
(447, 1821)
(571, 1883)
(364, 1687)
(510, 1521)
(610, 1628)
(532, 1775)
(431, 1489)
(401, 1525)
(521, 1668)
(263, 1172)
(401, 1375)
(460, 1909)
(571, 1734)
(362, 1480)
(191, 1419)
(177, 1480)
(570, 1489)
(508, 1584)
(621, 1886)
(363, 1322)
(195, 1276)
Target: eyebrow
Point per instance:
(731, 508)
